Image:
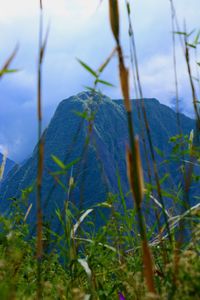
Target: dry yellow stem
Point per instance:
(114, 18)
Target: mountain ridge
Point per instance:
(95, 174)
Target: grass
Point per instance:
(123, 258)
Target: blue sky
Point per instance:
(80, 29)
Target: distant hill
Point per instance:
(99, 158)
(9, 165)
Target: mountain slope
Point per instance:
(99, 152)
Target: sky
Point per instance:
(80, 29)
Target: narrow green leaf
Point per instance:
(165, 177)
(71, 164)
(8, 62)
(60, 183)
(57, 173)
(87, 68)
(90, 89)
(104, 65)
(196, 40)
(191, 45)
(83, 114)
(180, 32)
(104, 82)
(62, 165)
(159, 152)
(58, 161)
(2, 72)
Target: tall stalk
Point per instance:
(173, 15)
(148, 132)
(133, 156)
(39, 244)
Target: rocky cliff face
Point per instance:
(89, 135)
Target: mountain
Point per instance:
(89, 134)
(8, 166)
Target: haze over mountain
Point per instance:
(89, 135)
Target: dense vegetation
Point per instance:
(125, 256)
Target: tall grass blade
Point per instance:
(114, 18)
(148, 267)
(104, 65)
(39, 243)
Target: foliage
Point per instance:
(97, 263)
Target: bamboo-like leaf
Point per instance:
(8, 61)
(62, 165)
(87, 68)
(104, 82)
(104, 65)
(196, 40)
(90, 89)
(59, 182)
(180, 33)
(159, 152)
(83, 114)
(191, 45)
(114, 18)
(8, 71)
(58, 161)
(59, 215)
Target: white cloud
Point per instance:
(157, 75)
(61, 8)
